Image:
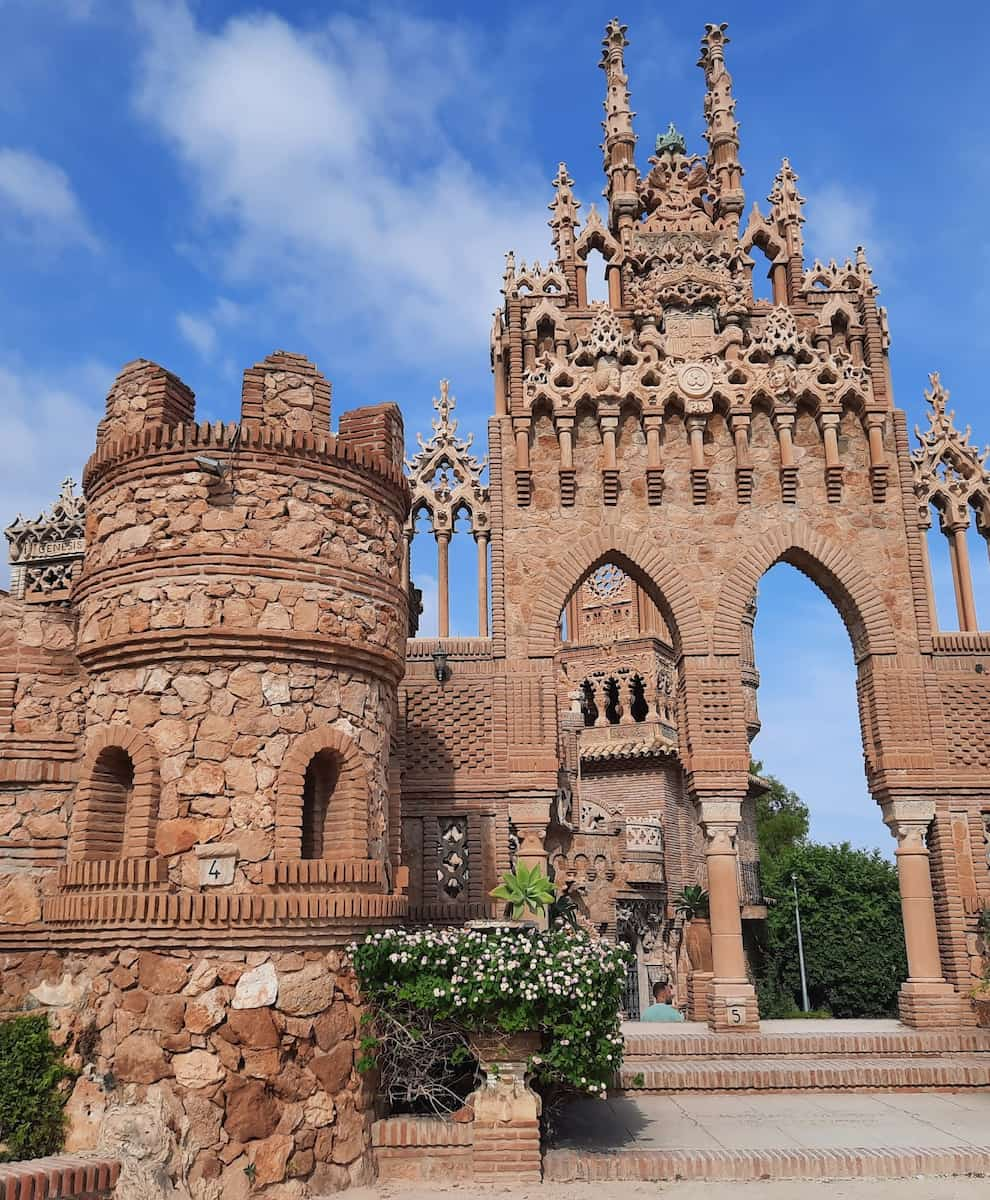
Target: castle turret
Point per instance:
(242, 617)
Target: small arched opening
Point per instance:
(111, 792)
(321, 778)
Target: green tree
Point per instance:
(782, 818)
(853, 935)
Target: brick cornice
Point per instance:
(256, 445)
(227, 643)
(270, 564)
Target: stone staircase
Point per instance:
(798, 1100)
(818, 1056)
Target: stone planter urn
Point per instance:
(698, 939)
(505, 1097)
(506, 1109)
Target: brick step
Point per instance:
(796, 1073)
(898, 1043)
(585, 1166)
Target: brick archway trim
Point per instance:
(847, 584)
(142, 810)
(350, 798)
(636, 553)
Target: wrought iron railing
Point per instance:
(750, 884)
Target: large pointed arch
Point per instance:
(847, 584)
(638, 555)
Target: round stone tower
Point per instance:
(242, 618)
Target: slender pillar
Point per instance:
(926, 566)
(501, 399)
(731, 997)
(481, 538)
(614, 274)
(778, 281)
(581, 279)
(962, 578)
(443, 593)
(522, 445)
(406, 553)
(926, 999)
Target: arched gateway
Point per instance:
(651, 457)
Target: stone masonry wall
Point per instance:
(216, 1078)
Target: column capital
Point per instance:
(908, 821)
(720, 812)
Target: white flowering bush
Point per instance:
(563, 983)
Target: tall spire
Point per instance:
(619, 146)
(722, 131)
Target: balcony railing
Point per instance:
(645, 838)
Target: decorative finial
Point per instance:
(671, 142)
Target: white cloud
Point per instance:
(47, 431)
(839, 219)
(202, 330)
(37, 203)
(326, 165)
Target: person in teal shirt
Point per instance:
(661, 1009)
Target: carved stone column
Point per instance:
(731, 997)
(926, 1000)
(565, 435)
(443, 583)
(652, 424)
(608, 419)
(739, 423)
(962, 577)
(833, 466)
(784, 424)
(875, 422)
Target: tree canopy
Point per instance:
(782, 818)
(850, 916)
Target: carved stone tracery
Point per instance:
(46, 554)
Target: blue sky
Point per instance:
(200, 184)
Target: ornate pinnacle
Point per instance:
(620, 140)
(565, 212)
(722, 132)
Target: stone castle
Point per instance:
(222, 756)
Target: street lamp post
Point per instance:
(797, 920)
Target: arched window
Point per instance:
(597, 285)
(111, 793)
(117, 799)
(321, 779)
(323, 799)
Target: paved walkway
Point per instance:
(852, 1025)
(849, 1189)
(931, 1120)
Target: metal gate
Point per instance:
(630, 997)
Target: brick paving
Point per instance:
(749, 1136)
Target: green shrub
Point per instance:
(561, 982)
(853, 935)
(32, 1100)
